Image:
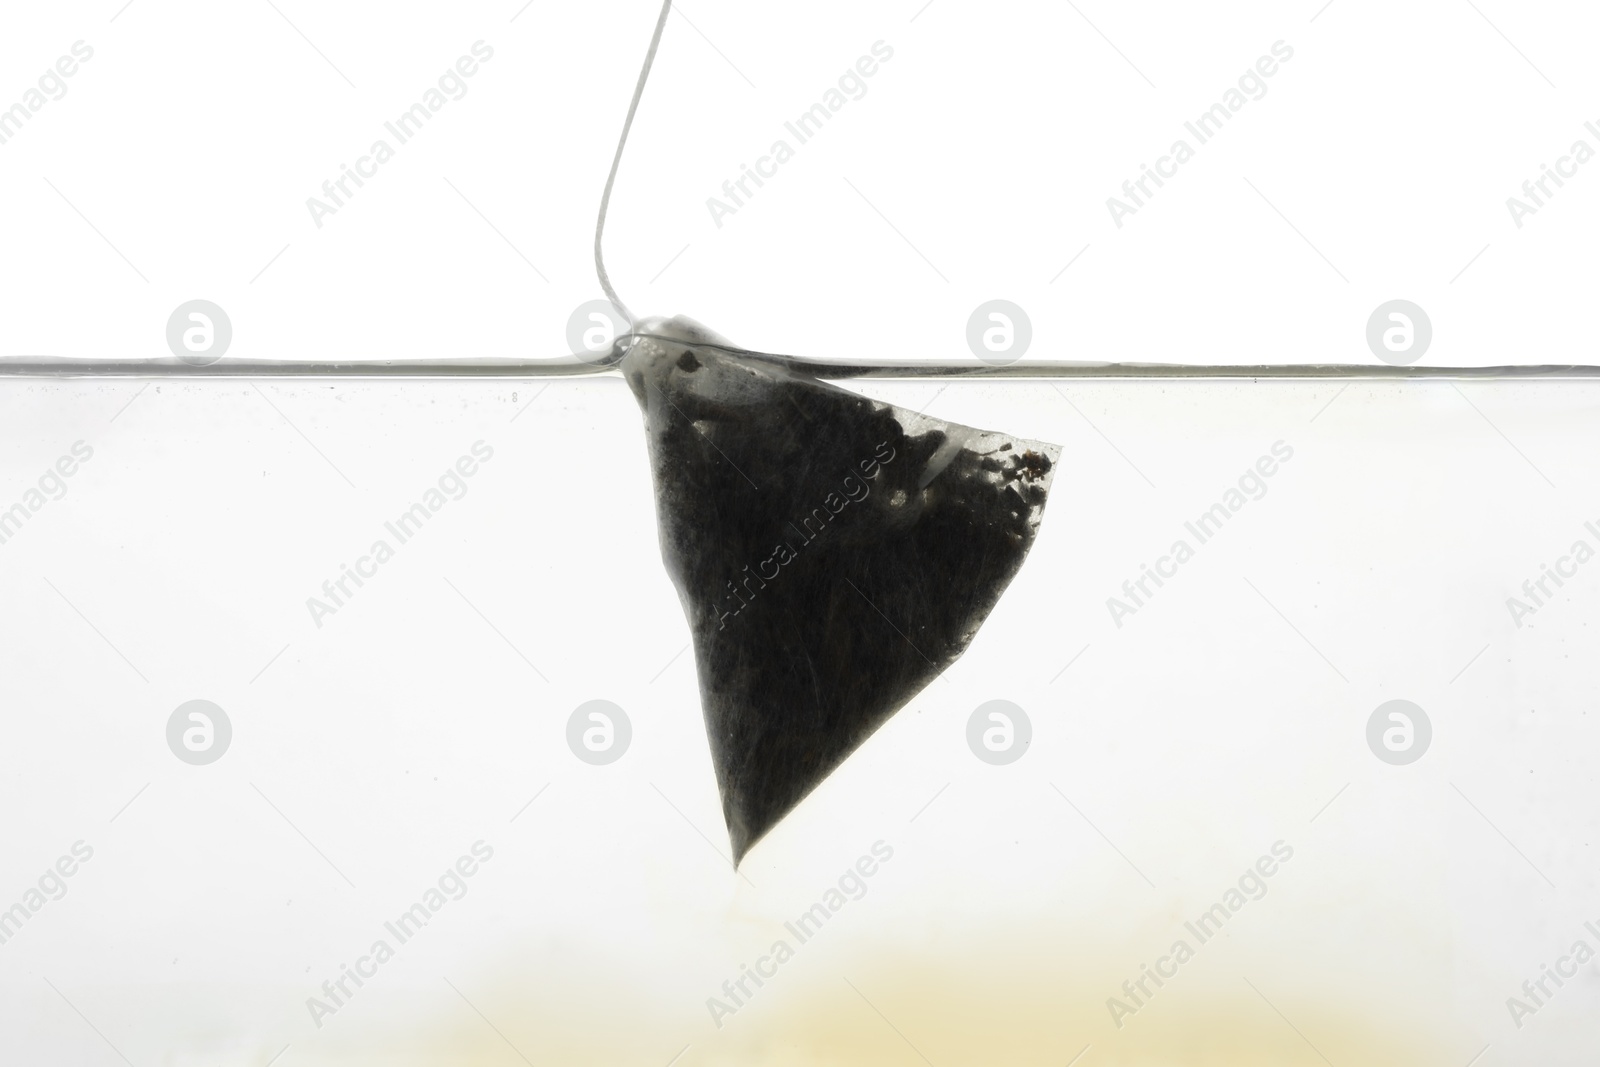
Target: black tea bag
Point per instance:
(833, 553)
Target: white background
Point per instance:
(1168, 754)
(990, 142)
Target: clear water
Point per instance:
(1175, 741)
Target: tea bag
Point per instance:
(833, 553)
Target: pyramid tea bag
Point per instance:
(833, 553)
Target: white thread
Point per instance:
(605, 198)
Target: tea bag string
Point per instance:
(605, 197)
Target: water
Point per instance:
(1176, 738)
